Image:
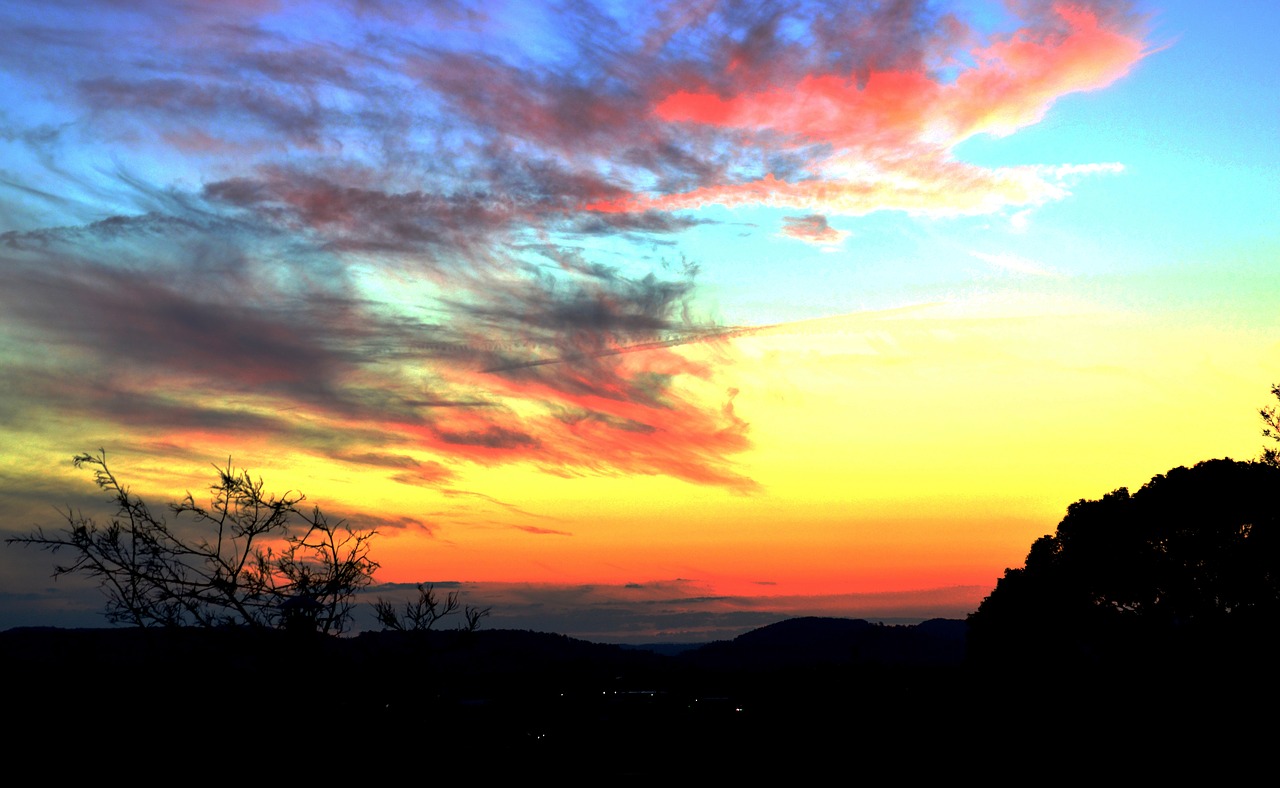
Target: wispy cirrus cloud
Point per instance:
(418, 239)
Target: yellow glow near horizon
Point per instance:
(915, 450)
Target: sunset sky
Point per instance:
(636, 320)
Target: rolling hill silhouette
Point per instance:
(785, 701)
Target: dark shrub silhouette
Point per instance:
(1188, 566)
(249, 558)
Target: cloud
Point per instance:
(881, 132)
(416, 239)
(535, 529)
(416, 472)
(492, 437)
(812, 229)
(453, 493)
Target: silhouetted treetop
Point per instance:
(1271, 428)
(1193, 555)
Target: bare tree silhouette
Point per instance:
(422, 613)
(249, 558)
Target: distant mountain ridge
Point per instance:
(796, 641)
(831, 642)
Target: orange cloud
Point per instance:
(607, 427)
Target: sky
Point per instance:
(636, 322)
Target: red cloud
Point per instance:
(1018, 79)
(599, 417)
(892, 134)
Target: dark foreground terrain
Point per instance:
(797, 699)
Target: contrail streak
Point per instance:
(706, 335)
